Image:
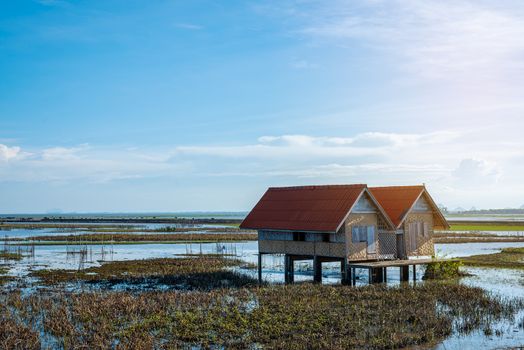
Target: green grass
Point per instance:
(10, 256)
(512, 258)
(487, 227)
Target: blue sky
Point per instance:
(200, 105)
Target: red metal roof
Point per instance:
(397, 200)
(303, 208)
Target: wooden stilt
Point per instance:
(385, 275)
(259, 268)
(377, 275)
(317, 270)
(404, 273)
(345, 272)
(414, 273)
(287, 269)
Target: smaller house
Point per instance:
(415, 216)
(345, 223)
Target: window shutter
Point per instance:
(355, 234)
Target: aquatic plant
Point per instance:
(444, 269)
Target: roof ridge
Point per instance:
(393, 187)
(306, 187)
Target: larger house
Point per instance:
(345, 223)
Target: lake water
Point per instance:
(509, 283)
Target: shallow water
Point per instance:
(509, 283)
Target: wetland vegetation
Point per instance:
(239, 315)
(512, 258)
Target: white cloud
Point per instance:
(8, 153)
(63, 153)
(436, 39)
(477, 172)
(365, 144)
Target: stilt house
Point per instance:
(346, 223)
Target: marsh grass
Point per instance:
(3, 278)
(196, 272)
(512, 258)
(290, 317)
(474, 237)
(145, 238)
(6, 255)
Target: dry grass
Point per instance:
(200, 272)
(124, 238)
(5, 255)
(275, 317)
(512, 258)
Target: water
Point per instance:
(508, 283)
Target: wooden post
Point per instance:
(376, 275)
(385, 274)
(287, 269)
(414, 273)
(259, 268)
(354, 276)
(345, 272)
(317, 269)
(404, 273)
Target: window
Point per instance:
(325, 237)
(299, 236)
(359, 234)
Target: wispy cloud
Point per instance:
(189, 26)
(435, 39)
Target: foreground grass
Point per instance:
(273, 317)
(508, 258)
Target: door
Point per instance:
(372, 245)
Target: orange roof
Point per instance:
(397, 200)
(303, 208)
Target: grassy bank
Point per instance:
(487, 227)
(291, 317)
(473, 237)
(116, 228)
(508, 258)
(149, 238)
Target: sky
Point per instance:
(166, 105)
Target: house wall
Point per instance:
(358, 251)
(425, 245)
(278, 242)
